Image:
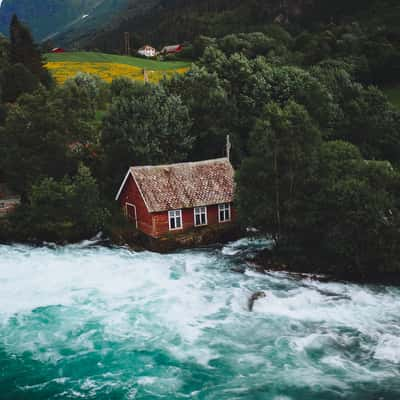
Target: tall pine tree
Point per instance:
(23, 50)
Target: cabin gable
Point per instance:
(130, 197)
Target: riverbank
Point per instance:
(264, 260)
(268, 260)
(123, 233)
(194, 238)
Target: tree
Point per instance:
(60, 210)
(204, 94)
(16, 79)
(4, 63)
(373, 125)
(34, 142)
(24, 51)
(4, 52)
(271, 180)
(252, 84)
(351, 210)
(201, 43)
(145, 125)
(364, 117)
(92, 88)
(79, 100)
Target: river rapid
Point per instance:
(90, 322)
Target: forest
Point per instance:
(316, 143)
(319, 28)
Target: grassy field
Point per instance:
(108, 66)
(393, 94)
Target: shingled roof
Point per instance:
(184, 185)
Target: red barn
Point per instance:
(178, 197)
(174, 49)
(58, 50)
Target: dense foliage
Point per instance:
(145, 124)
(367, 32)
(60, 210)
(315, 144)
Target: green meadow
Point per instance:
(94, 57)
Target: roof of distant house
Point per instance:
(172, 49)
(147, 46)
(184, 185)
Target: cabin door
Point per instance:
(131, 213)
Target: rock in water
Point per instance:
(255, 296)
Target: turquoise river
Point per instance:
(91, 322)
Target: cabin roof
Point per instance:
(184, 185)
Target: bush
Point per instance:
(65, 210)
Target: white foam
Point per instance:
(388, 349)
(240, 245)
(67, 303)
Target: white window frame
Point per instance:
(175, 214)
(126, 212)
(200, 211)
(225, 207)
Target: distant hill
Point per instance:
(169, 21)
(100, 24)
(47, 18)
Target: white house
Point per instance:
(147, 51)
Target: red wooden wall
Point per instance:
(131, 194)
(161, 224)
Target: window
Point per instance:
(224, 212)
(175, 219)
(200, 216)
(130, 211)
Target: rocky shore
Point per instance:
(198, 237)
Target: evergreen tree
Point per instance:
(16, 80)
(34, 141)
(24, 51)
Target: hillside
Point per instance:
(47, 18)
(166, 21)
(108, 66)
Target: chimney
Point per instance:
(228, 147)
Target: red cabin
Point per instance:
(178, 197)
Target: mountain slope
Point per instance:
(47, 18)
(163, 21)
(109, 15)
